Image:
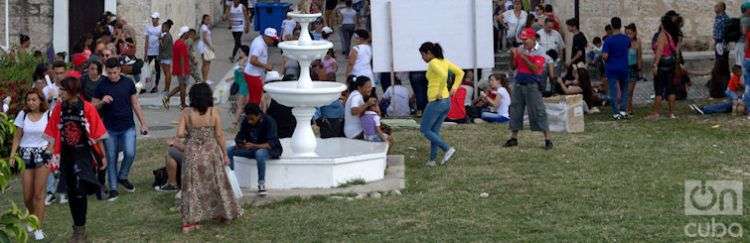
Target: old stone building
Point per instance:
(698, 15)
(58, 22)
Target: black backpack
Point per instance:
(732, 30)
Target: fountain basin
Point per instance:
(312, 51)
(341, 160)
(291, 94)
(303, 17)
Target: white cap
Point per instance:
(327, 30)
(155, 15)
(272, 76)
(183, 30)
(271, 32)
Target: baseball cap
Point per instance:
(527, 33)
(155, 15)
(183, 30)
(271, 32)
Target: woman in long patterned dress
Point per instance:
(206, 192)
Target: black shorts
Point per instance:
(664, 84)
(33, 157)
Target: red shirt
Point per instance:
(734, 83)
(457, 110)
(180, 55)
(94, 124)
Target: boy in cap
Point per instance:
(528, 60)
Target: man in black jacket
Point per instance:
(257, 139)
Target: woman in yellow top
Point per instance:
(438, 95)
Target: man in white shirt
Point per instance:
(151, 48)
(549, 38)
(257, 64)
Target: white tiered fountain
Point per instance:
(309, 162)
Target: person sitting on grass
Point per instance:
(734, 96)
(500, 102)
(399, 97)
(370, 120)
(175, 157)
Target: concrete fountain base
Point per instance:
(341, 160)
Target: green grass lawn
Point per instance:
(618, 181)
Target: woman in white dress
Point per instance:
(206, 46)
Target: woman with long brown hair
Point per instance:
(635, 62)
(30, 145)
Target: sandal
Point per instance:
(187, 228)
(165, 102)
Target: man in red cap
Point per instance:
(529, 61)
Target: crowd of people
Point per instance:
(77, 129)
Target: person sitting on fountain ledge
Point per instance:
(257, 140)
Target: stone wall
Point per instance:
(181, 12)
(37, 15)
(29, 17)
(698, 15)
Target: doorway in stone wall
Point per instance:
(82, 16)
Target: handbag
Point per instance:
(233, 182)
(209, 55)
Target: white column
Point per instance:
(111, 6)
(6, 47)
(60, 26)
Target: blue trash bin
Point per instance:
(270, 15)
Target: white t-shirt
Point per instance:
(153, 33)
(550, 41)
(259, 49)
(51, 91)
(287, 27)
(363, 64)
(515, 23)
(237, 17)
(348, 15)
(204, 42)
(352, 125)
(33, 132)
(502, 108)
(399, 96)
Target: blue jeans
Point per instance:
(123, 141)
(432, 119)
(746, 76)
(418, 83)
(723, 107)
(494, 117)
(618, 79)
(260, 156)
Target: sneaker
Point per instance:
(113, 196)
(100, 194)
(63, 198)
(548, 145)
(49, 199)
(624, 115)
(617, 117)
(127, 185)
(168, 188)
(511, 143)
(430, 163)
(262, 189)
(154, 90)
(696, 109)
(38, 234)
(448, 155)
